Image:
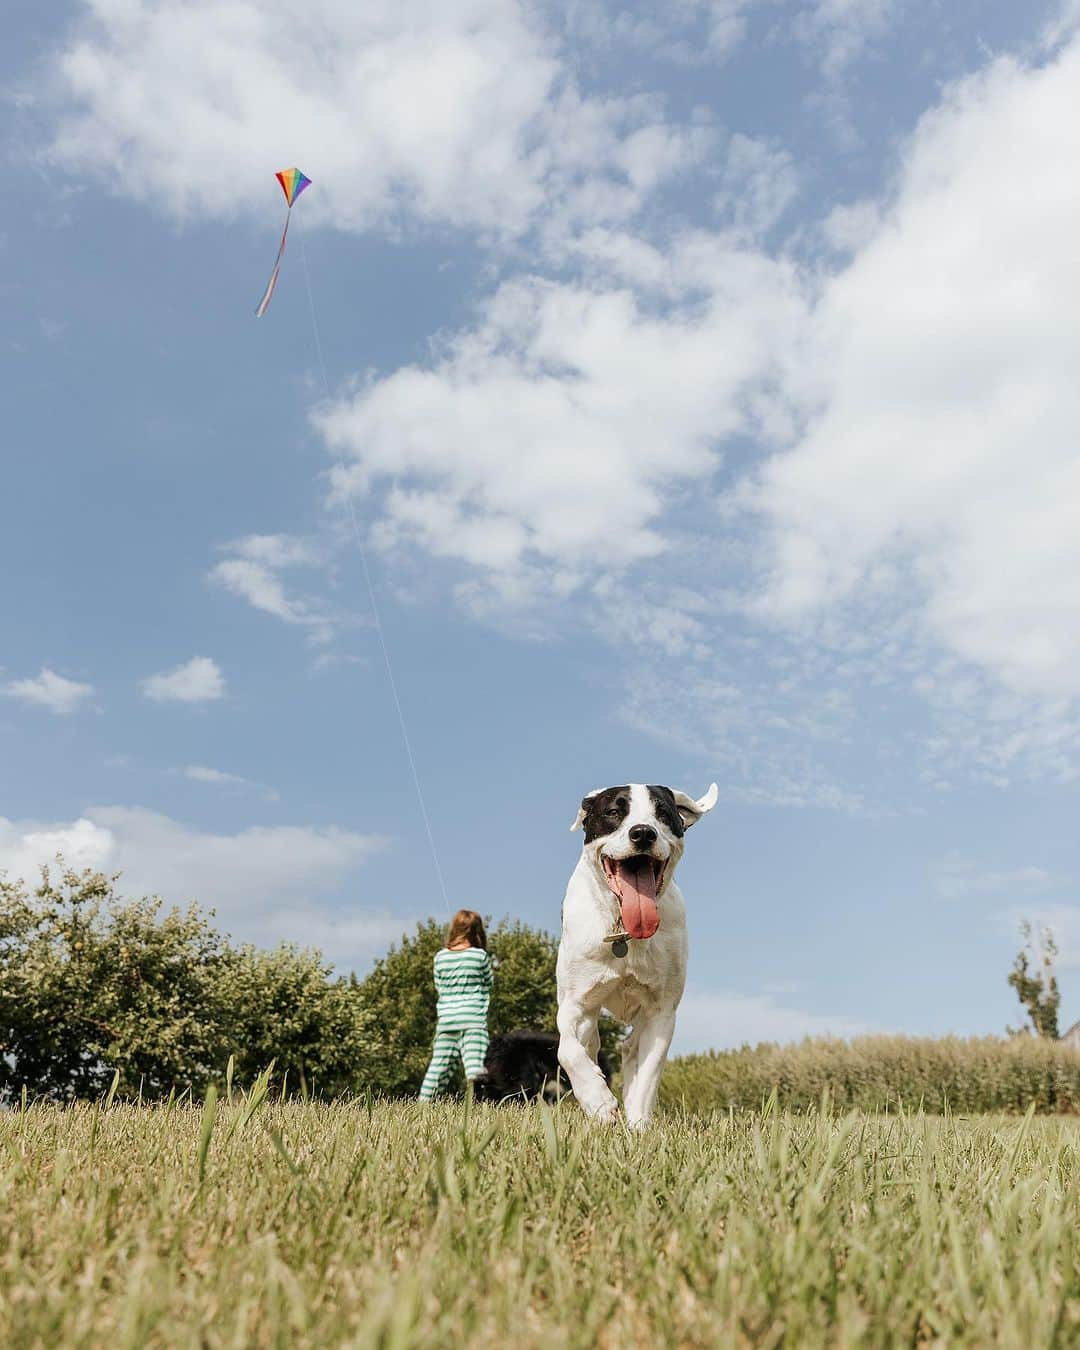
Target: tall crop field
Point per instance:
(879, 1073)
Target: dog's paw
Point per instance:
(605, 1112)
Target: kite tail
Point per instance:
(264, 303)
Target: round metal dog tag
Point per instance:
(619, 947)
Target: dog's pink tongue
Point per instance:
(637, 897)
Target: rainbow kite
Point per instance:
(293, 182)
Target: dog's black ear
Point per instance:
(579, 819)
(692, 811)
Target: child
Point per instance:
(463, 984)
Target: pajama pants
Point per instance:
(470, 1043)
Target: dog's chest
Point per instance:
(628, 996)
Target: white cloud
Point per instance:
(349, 939)
(49, 690)
(397, 109)
(258, 585)
(850, 226)
(1003, 736)
(724, 1021)
(685, 31)
(841, 30)
(759, 183)
(941, 460)
(769, 730)
(201, 773)
(726, 25)
(558, 431)
(253, 574)
(835, 33)
(276, 550)
(1063, 24)
(265, 883)
(196, 681)
(25, 846)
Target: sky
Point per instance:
(697, 387)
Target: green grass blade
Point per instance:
(209, 1114)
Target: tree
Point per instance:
(399, 994)
(1036, 986)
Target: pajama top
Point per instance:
(463, 984)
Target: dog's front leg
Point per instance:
(577, 1029)
(653, 1034)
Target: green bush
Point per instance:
(285, 1005)
(92, 984)
(874, 1073)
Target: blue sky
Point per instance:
(704, 388)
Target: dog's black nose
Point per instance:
(642, 836)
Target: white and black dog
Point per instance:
(623, 944)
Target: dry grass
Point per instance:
(391, 1225)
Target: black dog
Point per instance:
(524, 1066)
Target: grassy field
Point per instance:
(390, 1225)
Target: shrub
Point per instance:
(92, 984)
(285, 1005)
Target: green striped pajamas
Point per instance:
(463, 984)
(469, 1042)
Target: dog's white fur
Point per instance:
(645, 986)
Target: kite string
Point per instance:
(358, 538)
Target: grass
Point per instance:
(266, 1224)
